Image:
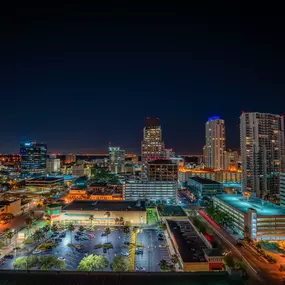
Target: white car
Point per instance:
(37, 251)
(61, 258)
(125, 254)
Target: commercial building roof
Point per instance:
(91, 205)
(161, 161)
(189, 243)
(44, 179)
(263, 208)
(204, 181)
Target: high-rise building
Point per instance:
(232, 158)
(70, 158)
(53, 165)
(33, 157)
(215, 142)
(262, 151)
(152, 146)
(169, 153)
(162, 170)
(282, 189)
(117, 159)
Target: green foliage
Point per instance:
(102, 175)
(81, 229)
(38, 235)
(229, 261)
(22, 263)
(126, 229)
(6, 217)
(163, 265)
(199, 225)
(48, 262)
(135, 229)
(93, 263)
(174, 259)
(54, 228)
(120, 264)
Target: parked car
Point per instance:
(139, 251)
(126, 243)
(9, 256)
(104, 250)
(140, 269)
(103, 234)
(123, 253)
(61, 258)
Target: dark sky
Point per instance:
(78, 77)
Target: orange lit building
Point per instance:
(231, 175)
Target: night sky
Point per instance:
(78, 77)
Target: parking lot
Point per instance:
(152, 250)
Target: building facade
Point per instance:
(262, 150)
(150, 190)
(53, 165)
(215, 142)
(282, 189)
(33, 157)
(152, 146)
(232, 159)
(201, 187)
(117, 160)
(162, 170)
(259, 219)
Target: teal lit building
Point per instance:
(261, 219)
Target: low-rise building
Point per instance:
(104, 212)
(201, 187)
(193, 250)
(10, 207)
(134, 190)
(261, 220)
(45, 183)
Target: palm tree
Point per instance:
(163, 265)
(121, 220)
(126, 230)
(91, 218)
(71, 228)
(136, 229)
(29, 223)
(174, 259)
(107, 232)
(107, 214)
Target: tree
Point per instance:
(240, 265)
(46, 229)
(22, 263)
(38, 235)
(8, 234)
(120, 264)
(121, 220)
(39, 206)
(107, 214)
(71, 228)
(174, 259)
(126, 230)
(229, 261)
(32, 215)
(6, 217)
(54, 228)
(48, 262)
(135, 229)
(93, 263)
(1, 244)
(163, 265)
(91, 218)
(107, 232)
(29, 223)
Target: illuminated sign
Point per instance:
(213, 118)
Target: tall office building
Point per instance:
(262, 151)
(162, 170)
(117, 159)
(33, 157)
(215, 143)
(232, 158)
(152, 146)
(53, 165)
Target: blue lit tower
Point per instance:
(33, 157)
(215, 142)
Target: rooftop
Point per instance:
(262, 207)
(204, 180)
(213, 252)
(6, 203)
(45, 179)
(172, 211)
(91, 205)
(189, 244)
(161, 161)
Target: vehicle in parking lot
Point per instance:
(124, 253)
(160, 238)
(126, 243)
(9, 256)
(37, 251)
(104, 250)
(139, 251)
(61, 258)
(103, 234)
(140, 269)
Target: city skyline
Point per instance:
(79, 82)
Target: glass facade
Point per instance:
(33, 156)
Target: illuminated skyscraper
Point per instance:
(215, 143)
(116, 159)
(152, 146)
(262, 151)
(33, 157)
